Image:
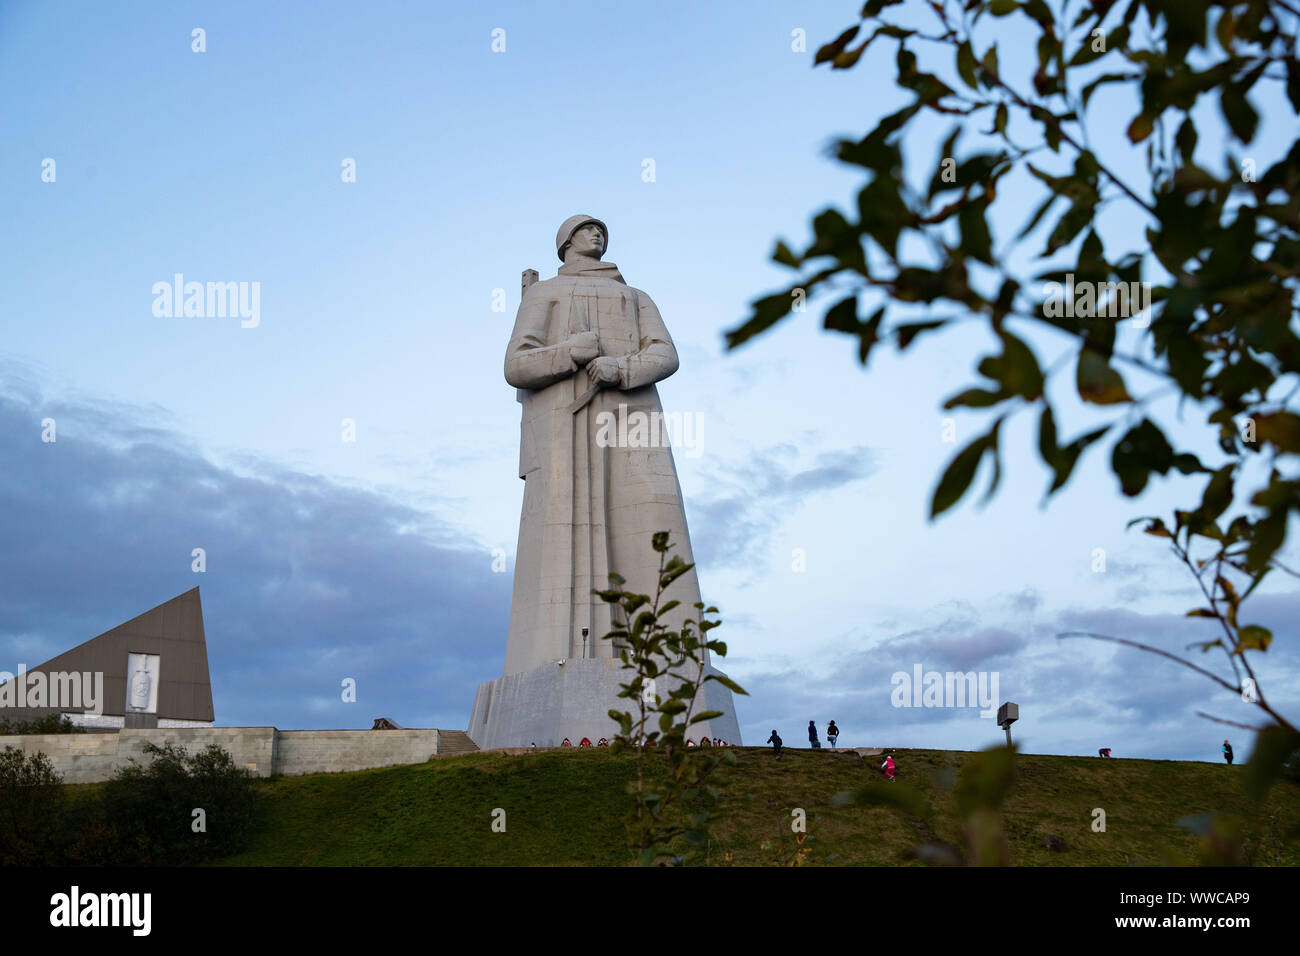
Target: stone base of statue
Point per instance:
(573, 699)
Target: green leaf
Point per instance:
(990, 61)
(1185, 139)
(1106, 78)
(1039, 11)
(1281, 429)
(1097, 382)
(849, 58)
(1241, 116)
(899, 796)
(1141, 127)
(783, 255)
(728, 683)
(976, 241)
(1076, 218)
(966, 64)
(1252, 637)
(833, 49)
(1086, 53)
(908, 331)
(1048, 449)
(958, 476)
(985, 780)
(1002, 8)
(1268, 537)
(1216, 498)
(767, 311)
(1034, 219)
(1142, 450)
(1273, 746)
(1156, 528)
(975, 398)
(873, 7)
(1224, 30)
(673, 570)
(1016, 369)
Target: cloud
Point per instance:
(748, 500)
(307, 582)
(1074, 695)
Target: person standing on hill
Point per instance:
(1227, 752)
(812, 736)
(888, 765)
(775, 741)
(832, 733)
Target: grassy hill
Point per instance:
(566, 808)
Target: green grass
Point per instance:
(566, 808)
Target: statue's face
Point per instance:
(588, 240)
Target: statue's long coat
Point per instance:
(589, 507)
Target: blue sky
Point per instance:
(373, 559)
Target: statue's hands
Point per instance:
(583, 347)
(603, 371)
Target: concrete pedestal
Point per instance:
(572, 699)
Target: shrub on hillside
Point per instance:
(50, 724)
(31, 798)
(179, 809)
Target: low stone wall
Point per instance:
(334, 751)
(79, 758)
(91, 757)
(252, 748)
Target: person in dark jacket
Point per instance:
(775, 741)
(832, 733)
(812, 736)
(1227, 752)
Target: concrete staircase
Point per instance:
(455, 742)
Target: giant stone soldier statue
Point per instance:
(586, 349)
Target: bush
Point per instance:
(31, 798)
(1291, 768)
(152, 809)
(50, 724)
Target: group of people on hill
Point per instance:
(832, 734)
(1227, 752)
(604, 742)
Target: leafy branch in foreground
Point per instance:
(1215, 271)
(981, 787)
(1220, 251)
(674, 803)
(1279, 740)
